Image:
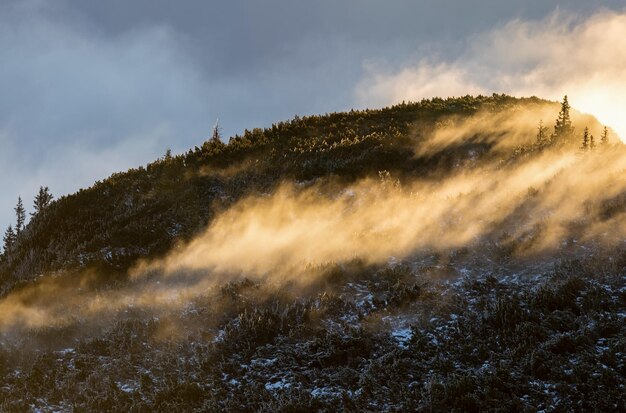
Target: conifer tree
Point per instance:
(604, 138)
(585, 144)
(20, 215)
(42, 200)
(563, 127)
(216, 136)
(214, 144)
(592, 142)
(9, 239)
(542, 134)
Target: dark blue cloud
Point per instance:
(92, 87)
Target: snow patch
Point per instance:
(126, 387)
(402, 336)
(277, 385)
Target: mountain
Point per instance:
(444, 255)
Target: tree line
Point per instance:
(42, 201)
(563, 130)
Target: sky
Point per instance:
(92, 87)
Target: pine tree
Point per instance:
(592, 142)
(215, 143)
(542, 134)
(42, 200)
(585, 144)
(216, 136)
(20, 214)
(604, 138)
(9, 239)
(563, 127)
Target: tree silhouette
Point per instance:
(20, 214)
(604, 138)
(9, 239)
(214, 144)
(216, 136)
(542, 134)
(585, 145)
(563, 127)
(42, 200)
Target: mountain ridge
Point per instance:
(237, 153)
(444, 255)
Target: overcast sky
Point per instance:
(90, 87)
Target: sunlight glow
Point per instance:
(601, 104)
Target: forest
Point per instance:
(461, 254)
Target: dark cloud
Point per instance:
(91, 87)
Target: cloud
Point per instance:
(561, 54)
(91, 88)
(79, 106)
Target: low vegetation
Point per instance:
(499, 324)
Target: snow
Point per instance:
(402, 336)
(219, 336)
(465, 272)
(325, 392)
(362, 297)
(263, 362)
(277, 385)
(601, 346)
(126, 388)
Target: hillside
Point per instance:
(142, 211)
(442, 255)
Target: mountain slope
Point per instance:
(431, 256)
(141, 212)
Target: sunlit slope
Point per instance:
(437, 148)
(448, 255)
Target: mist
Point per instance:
(531, 207)
(563, 53)
(273, 236)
